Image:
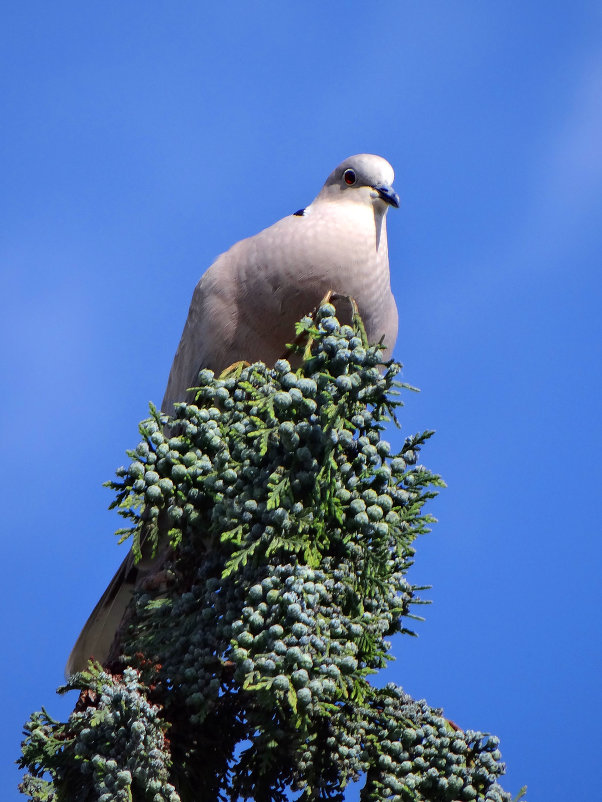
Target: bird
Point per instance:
(245, 306)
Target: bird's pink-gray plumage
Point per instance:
(247, 303)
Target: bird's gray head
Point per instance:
(363, 178)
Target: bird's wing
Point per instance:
(98, 633)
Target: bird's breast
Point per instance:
(295, 262)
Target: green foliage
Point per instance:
(112, 749)
(292, 527)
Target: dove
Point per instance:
(245, 306)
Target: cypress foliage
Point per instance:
(243, 671)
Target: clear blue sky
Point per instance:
(139, 140)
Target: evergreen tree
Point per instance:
(242, 670)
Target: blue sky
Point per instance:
(140, 140)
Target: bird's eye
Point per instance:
(349, 176)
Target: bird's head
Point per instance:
(364, 178)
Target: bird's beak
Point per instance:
(388, 194)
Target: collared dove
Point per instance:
(245, 307)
